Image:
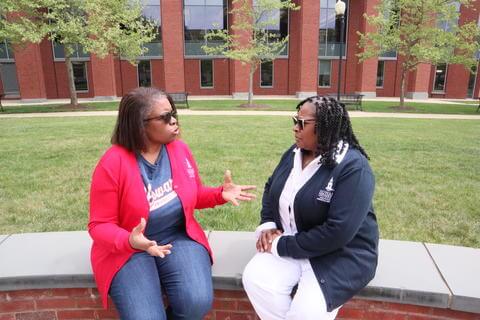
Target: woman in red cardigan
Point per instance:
(146, 240)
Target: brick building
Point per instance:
(176, 62)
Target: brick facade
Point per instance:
(84, 303)
(40, 76)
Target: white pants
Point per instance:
(268, 281)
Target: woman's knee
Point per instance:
(140, 310)
(193, 305)
(250, 276)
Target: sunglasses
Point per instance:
(166, 117)
(301, 122)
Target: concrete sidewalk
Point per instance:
(186, 112)
(20, 102)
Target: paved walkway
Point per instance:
(224, 97)
(353, 114)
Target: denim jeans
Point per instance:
(185, 276)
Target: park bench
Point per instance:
(478, 108)
(180, 98)
(352, 99)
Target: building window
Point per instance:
(201, 16)
(266, 74)
(471, 82)
(329, 36)
(324, 71)
(392, 15)
(206, 73)
(447, 25)
(440, 77)
(380, 73)
(151, 11)
(8, 74)
(388, 55)
(279, 29)
(6, 53)
(80, 76)
(144, 73)
(78, 53)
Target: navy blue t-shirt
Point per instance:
(166, 219)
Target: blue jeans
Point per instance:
(185, 276)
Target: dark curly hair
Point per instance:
(332, 124)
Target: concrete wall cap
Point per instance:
(408, 272)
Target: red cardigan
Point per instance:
(118, 202)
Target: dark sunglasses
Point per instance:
(166, 117)
(301, 122)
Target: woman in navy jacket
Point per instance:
(318, 229)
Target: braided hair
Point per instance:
(332, 124)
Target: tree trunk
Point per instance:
(71, 81)
(402, 88)
(250, 85)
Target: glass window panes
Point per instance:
(380, 73)
(329, 35)
(80, 76)
(6, 52)
(388, 54)
(200, 16)
(144, 73)
(270, 19)
(78, 53)
(447, 25)
(324, 72)
(276, 22)
(206, 73)
(266, 74)
(440, 77)
(8, 74)
(471, 82)
(151, 10)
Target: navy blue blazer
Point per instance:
(337, 227)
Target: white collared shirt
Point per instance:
(295, 181)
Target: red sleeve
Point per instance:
(103, 224)
(207, 197)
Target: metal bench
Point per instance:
(180, 98)
(352, 99)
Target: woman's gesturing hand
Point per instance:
(234, 193)
(264, 242)
(140, 242)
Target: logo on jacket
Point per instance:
(329, 186)
(326, 195)
(190, 170)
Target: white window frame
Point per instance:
(273, 75)
(183, 37)
(151, 73)
(8, 59)
(383, 76)
(86, 77)
(73, 59)
(213, 73)
(159, 57)
(318, 73)
(444, 85)
(347, 22)
(389, 58)
(288, 35)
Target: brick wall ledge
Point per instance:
(431, 281)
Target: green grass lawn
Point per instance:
(275, 105)
(426, 171)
